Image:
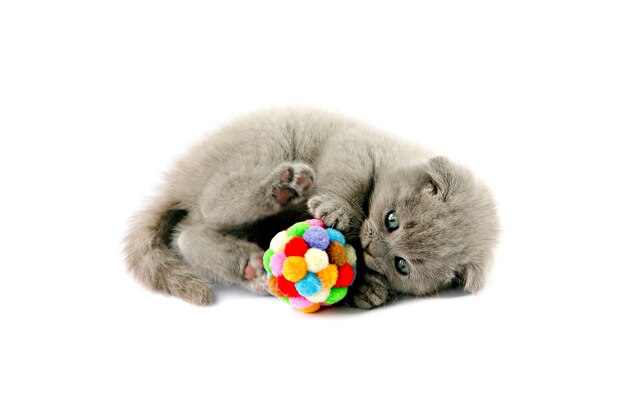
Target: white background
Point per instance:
(96, 100)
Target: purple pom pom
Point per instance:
(316, 237)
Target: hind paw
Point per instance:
(255, 277)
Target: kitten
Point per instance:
(423, 223)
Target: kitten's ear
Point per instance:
(472, 277)
(444, 174)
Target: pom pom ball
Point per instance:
(309, 265)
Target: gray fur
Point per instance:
(261, 172)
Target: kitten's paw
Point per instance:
(255, 277)
(331, 211)
(291, 183)
(370, 296)
(374, 293)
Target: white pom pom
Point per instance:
(279, 241)
(350, 255)
(316, 260)
(319, 296)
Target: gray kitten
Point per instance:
(423, 223)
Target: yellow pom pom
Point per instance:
(316, 259)
(294, 268)
(310, 309)
(328, 276)
(279, 241)
(319, 296)
(350, 254)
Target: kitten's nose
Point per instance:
(375, 249)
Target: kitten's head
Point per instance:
(430, 226)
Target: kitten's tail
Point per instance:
(150, 259)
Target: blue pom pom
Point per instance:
(316, 237)
(335, 235)
(308, 285)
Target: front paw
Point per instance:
(374, 293)
(291, 183)
(333, 212)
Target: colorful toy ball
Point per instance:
(309, 265)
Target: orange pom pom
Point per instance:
(328, 276)
(294, 268)
(310, 309)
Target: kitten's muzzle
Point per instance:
(376, 249)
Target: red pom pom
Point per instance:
(287, 287)
(346, 276)
(296, 246)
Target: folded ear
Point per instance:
(444, 174)
(472, 277)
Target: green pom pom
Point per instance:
(266, 259)
(298, 229)
(336, 294)
(285, 299)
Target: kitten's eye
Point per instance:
(402, 266)
(391, 221)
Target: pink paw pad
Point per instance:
(304, 181)
(252, 269)
(283, 195)
(285, 176)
